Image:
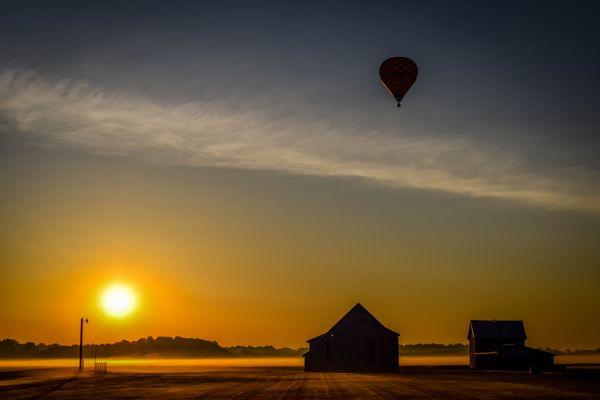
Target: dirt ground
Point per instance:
(293, 383)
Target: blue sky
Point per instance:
(498, 83)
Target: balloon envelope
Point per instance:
(398, 74)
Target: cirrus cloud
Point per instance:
(72, 113)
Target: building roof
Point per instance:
(517, 350)
(494, 329)
(357, 314)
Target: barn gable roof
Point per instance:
(516, 350)
(494, 329)
(357, 314)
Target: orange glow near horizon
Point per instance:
(255, 262)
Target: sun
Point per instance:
(118, 301)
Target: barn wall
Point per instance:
(363, 347)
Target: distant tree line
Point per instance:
(178, 347)
(434, 349)
(265, 351)
(173, 347)
(569, 352)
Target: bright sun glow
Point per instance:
(118, 301)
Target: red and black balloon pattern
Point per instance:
(398, 74)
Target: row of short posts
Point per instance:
(100, 367)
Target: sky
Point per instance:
(242, 169)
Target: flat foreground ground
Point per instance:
(293, 383)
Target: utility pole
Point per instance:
(81, 342)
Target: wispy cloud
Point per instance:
(205, 134)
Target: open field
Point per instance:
(193, 364)
(129, 381)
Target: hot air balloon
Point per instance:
(398, 74)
